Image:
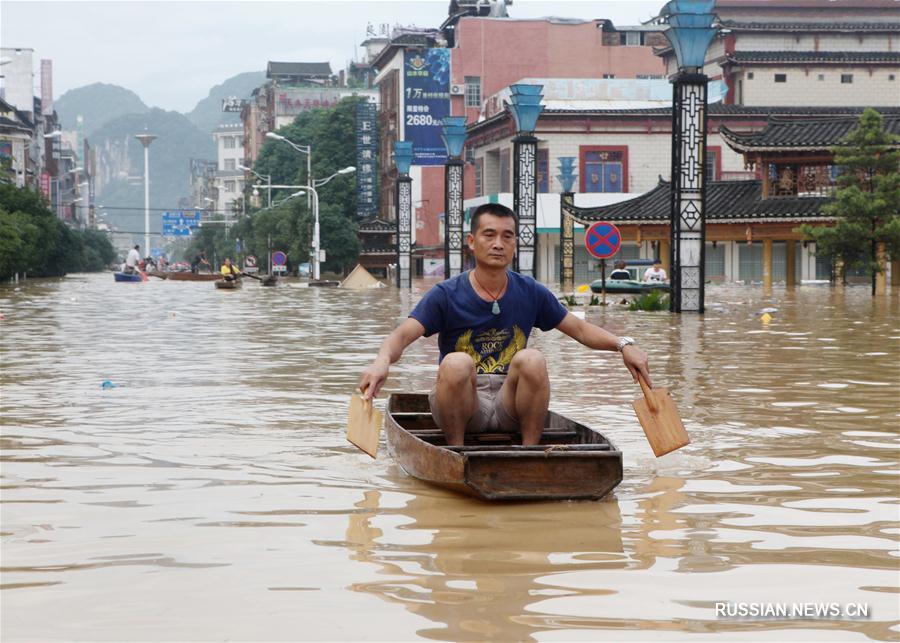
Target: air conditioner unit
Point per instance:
(457, 90)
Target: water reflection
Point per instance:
(214, 483)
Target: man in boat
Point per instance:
(620, 271)
(487, 379)
(229, 270)
(656, 274)
(200, 258)
(132, 261)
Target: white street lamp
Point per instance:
(266, 177)
(303, 149)
(145, 140)
(316, 241)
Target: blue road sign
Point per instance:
(602, 239)
(180, 223)
(279, 258)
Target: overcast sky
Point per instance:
(172, 53)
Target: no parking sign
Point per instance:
(602, 239)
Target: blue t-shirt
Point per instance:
(466, 324)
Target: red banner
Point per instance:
(45, 184)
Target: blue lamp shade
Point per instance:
(567, 174)
(525, 105)
(690, 29)
(453, 134)
(403, 156)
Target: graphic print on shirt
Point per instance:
(492, 349)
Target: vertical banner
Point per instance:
(426, 77)
(45, 184)
(366, 157)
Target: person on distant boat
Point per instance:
(619, 271)
(488, 380)
(132, 261)
(200, 259)
(656, 274)
(230, 271)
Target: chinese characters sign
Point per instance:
(366, 160)
(426, 78)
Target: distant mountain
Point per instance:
(97, 104)
(121, 164)
(208, 114)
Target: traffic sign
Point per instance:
(279, 258)
(250, 261)
(602, 239)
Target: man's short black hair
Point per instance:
(497, 209)
(137, 247)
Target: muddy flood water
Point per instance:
(211, 494)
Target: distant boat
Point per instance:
(132, 277)
(193, 276)
(626, 286)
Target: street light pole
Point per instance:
(145, 140)
(268, 179)
(303, 149)
(316, 264)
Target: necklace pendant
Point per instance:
(495, 308)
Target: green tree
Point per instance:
(867, 201)
(34, 242)
(331, 133)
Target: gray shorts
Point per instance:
(491, 415)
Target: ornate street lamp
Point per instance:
(566, 178)
(403, 157)
(454, 137)
(690, 32)
(525, 105)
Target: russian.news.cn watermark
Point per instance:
(804, 611)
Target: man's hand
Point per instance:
(373, 378)
(636, 362)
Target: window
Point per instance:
(229, 186)
(892, 77)
(479, 177)
(608, 76)
(821, 77)
(473, 91)
(229, 142)
(633, 38)
(749, 75)
(504, 171)
(846, 79)
(780, 78)
(229, 164)
(543, 171)
(713, 163)
(604, 169)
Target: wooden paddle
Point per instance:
(660, 420)
(364, 424)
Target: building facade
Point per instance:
(484, 61)
(228, 183)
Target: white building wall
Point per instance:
(821, 85)
(229, 154)
(18, 78)
(649, 156)
(806, 41)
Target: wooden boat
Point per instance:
(626, 286)
(229, 285)
(572, 462)
(190, 276)
(134, 277)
